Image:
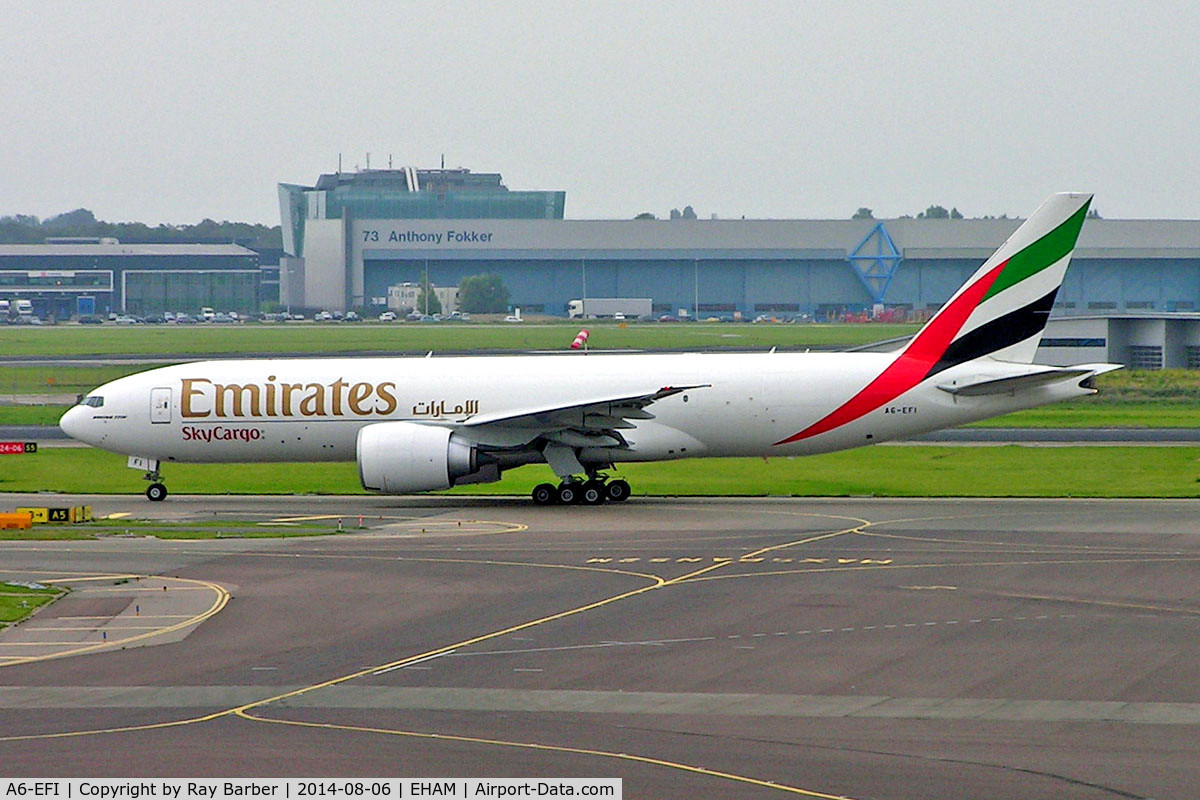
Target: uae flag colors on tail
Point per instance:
(999, 313)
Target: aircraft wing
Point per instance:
(594, 422)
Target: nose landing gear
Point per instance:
(156, 491)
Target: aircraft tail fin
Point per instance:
(1002, 310)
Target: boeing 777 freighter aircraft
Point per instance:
(418, 424)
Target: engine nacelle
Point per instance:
(400, 457)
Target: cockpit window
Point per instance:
(95, 401)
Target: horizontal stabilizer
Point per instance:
(977, 387)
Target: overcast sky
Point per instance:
(172, 112)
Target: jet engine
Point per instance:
(400, 457)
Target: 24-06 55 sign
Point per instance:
(17, 448)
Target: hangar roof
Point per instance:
(914, 238)
(124, 250)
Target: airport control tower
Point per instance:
(408, 193)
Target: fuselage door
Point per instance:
(160, 405)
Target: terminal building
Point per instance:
(101, 276)
(353, 235)
(1138, 340)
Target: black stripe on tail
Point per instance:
(1015, 326)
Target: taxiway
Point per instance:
(856, 647)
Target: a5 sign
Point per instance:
(17, 448)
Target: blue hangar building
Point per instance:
(352, 235)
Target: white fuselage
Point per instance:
(312, 409)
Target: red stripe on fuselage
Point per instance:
(913, 364)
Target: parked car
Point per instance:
(89, 319)
(352, 316)
(125, 319)
(323, 316)
(185, 319)
(387, 316)
(222, 318)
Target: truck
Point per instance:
(626, 307)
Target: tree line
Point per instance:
(28, 229)
(940, 212)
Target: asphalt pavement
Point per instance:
(749, 648)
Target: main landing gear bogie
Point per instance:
(590, 492)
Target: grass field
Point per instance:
(164, 529)
(72, 340)
(31, 415)
(1100, 412)
(18, 602)
(906, 471)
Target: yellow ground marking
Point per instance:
(335, 681)
(696, 575)
(732, 560)
(1001, 544)
(34, 644)
(311, 518)
(47, 628)
(128, 589)
(1106, 603)
(118, 515)
(929, 588)
(219, 601)
(139, 616)
(657, 582)
(953, 564)
(584, 751)
(459, 525)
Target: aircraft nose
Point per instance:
(74, 422)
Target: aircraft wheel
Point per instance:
(544, 494)
(568, 493)
(156, 492)
(592, 493)
(618, 491)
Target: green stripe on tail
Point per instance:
(1041, 254)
